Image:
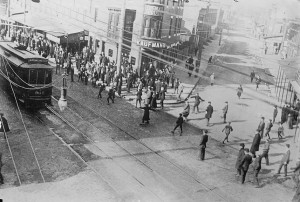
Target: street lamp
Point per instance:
(62, 102)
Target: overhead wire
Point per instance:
(23, 122)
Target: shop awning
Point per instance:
(54, 28)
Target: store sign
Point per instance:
(53, 38)
(151, 44)
(153, 10)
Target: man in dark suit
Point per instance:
(261, 127)
(285, 160)
(256, 169)
(209, 111)
(255, 143)
(179, 123)
(244, 165)
(202, 145)
(239, 159)
(3, 125)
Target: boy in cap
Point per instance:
(285, 160)
(179, 123)
(225, 110)
(227, 129)
(265, 152)
(268, 128)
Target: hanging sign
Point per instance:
(151, 44)
(153, 10)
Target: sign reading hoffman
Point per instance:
(151, 44)
(153, 10)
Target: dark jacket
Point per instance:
(261, 126)
(203, 141)
(255, 143)
(179, 120)
(240, 157)
(4, 125)
(209, 111)
(146, 113)
(246, 161)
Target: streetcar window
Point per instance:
(48, 76)
(41, 76)
(33, 75)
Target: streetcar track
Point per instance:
(208, 187)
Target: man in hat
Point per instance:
(239, 159)
(285, 160)
(256, 169)
(111, 95)
(198, 99)
(3, 125)
(202, 145)
(268, 128)
(146, 116)
(228, 130)
(209, 111)
(255, 143)
(261, 127)
(225, 110)
(265, 152)
(179, 123)
(244, 165)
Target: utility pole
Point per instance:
(121, 24)
(140, 47)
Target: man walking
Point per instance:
(111, 95)
(209, 111)
(265, 152)
(255, 143)
(179, 123)
(146, 116)
(244, 165)
(225, 110)
(3, 125)
(101, 89)
(197, 102)
(268, 128)
(285, 160)
(256, 169)
(261, 127)
(227, 129)
(202, 146)
(239, 159)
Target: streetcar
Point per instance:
(29, 73)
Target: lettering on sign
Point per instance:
(151, 44)
(153, 10)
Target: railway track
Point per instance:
(20, 165)
(208, 188)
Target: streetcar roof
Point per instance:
(22, 58)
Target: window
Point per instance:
(179, 25)
(170, 28)
(110, 52)
(175, 27)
